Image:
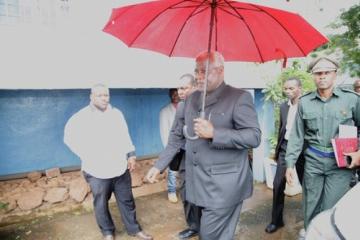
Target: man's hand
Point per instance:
(203, 128)
(355, 159)
(290, 176)
(132, 163)
(152, 174)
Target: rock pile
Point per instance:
(41, 192)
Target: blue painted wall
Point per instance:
(32, 124)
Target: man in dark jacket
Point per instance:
(288, 109)
(218, 175)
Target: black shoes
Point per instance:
(187, 233)
(273, 228)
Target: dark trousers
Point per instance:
(102, 190)
(219, 224)
(191, 211)
(280, 183)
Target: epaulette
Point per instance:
(306, 94)
(349, 90)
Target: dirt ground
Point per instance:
(160, 218)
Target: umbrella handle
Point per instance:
(187, 135)
(185, 132)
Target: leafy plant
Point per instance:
(345, 44)
(274, 92)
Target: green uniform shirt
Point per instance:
(317, 121)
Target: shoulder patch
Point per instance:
(349, 91)
(306, 94)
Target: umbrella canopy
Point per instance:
(240, 31)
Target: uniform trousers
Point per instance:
(324, 184)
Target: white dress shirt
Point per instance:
(290, 118)
(101, 140)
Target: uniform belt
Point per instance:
(321, 153)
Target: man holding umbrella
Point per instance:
(218, 175)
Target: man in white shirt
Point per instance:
(99, 136)
(166, 117)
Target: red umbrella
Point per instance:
(240, 31)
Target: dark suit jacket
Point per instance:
(218, 173)
(284, 110)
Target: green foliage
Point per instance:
(346, 44)
(273, 140)
(274, 92)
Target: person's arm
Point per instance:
(165, 124)
(175, 142)
(131, 159)
(356, 117)
(72, 136)
(126, 141)
(246, 132)
(295, 145)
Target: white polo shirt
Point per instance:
(101, 140)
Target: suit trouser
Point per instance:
(279, 184)
(219, 223)
(191, 211)
(102, 190)
(324, 184)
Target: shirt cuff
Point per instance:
(290, 165)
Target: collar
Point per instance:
(214, 96)
(95, 109)
(336, 92)
(289, 103)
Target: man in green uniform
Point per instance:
(318, 118)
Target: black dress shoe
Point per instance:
(187, 233)
(273, 228)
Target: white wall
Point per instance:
(73, 52)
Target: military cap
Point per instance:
(323, 64)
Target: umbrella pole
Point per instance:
(202, 113)
(212, 18)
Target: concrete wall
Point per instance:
(32, 124)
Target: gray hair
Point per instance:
(189, 77)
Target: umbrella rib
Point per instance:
(230, 13)
(140, 32)
(182, 27)
(248, 27)
(297, 44)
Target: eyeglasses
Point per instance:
(203, 70)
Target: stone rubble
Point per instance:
(38, 193)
